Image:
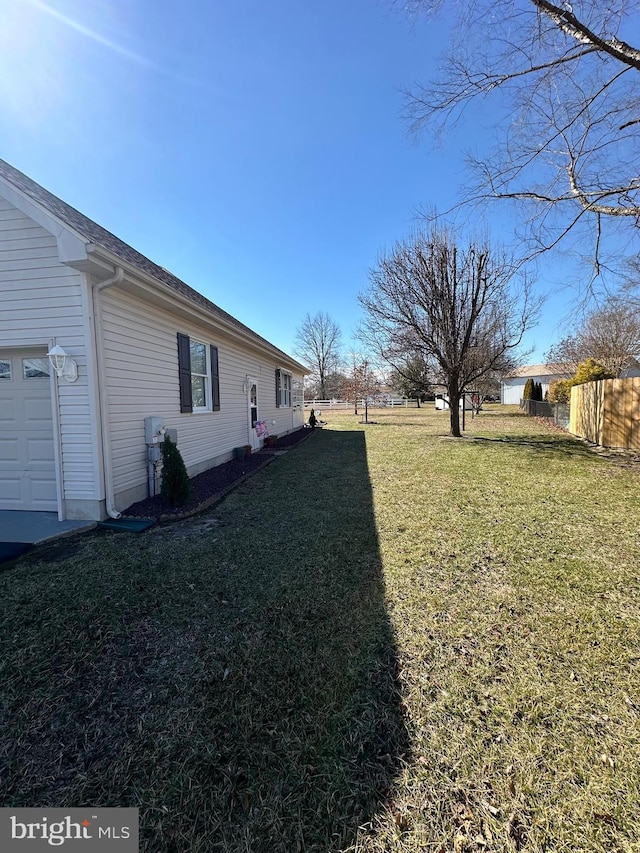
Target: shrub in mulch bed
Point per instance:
(213, 484)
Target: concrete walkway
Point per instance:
(33, 527)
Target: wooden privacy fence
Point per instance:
(607, 412)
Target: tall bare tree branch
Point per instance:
(568, 82)
(317, 344)
(610, 335)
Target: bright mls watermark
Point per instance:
(82, 830)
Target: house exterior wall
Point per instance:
(127, 357)
(140, 353)
(511, 390)
(42, 299)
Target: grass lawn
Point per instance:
(386, 640)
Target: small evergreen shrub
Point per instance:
(175, 480)
(527, 394)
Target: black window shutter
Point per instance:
(215, 380)
(184, 373)
(277, 388)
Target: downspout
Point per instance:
(117, 278)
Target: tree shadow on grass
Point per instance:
(236, 680)
(558, 444)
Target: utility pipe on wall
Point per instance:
(102, 391)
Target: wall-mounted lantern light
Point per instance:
(64, 366)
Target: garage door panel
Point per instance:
(7, 410)
(11, 488)
(37, 412)
(40, 450)
(8, 450)
(42, 491)
(27, 453)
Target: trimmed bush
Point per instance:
(591, 370)
(560, 391)
(175, 480)
(527, 394)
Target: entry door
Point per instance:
(27, 461)
(252, 405)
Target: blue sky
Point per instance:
(254, 149)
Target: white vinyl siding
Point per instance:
(512, 391)
(141, 367)
(42, 299)
(513, 388)
(45, 301)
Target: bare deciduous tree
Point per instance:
(317, 345)
(360, 379)
(568, 145)
(460, 310)
(610, 335)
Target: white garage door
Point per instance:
(27, 467)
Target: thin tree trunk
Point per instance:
(454, 413)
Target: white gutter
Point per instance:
(102, 391)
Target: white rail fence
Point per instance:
(373, 403)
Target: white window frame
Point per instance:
(38, 363)
(206, 376)
(284, 390)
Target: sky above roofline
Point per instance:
(256, 151)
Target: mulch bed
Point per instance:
(212, 485)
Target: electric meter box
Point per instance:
(153, 430)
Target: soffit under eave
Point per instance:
(71, 244)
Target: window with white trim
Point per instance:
(200, 396)
(198, 375)
(283, 389)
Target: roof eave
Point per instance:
(103, 259)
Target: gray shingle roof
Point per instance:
(535, 370)
(94, 233)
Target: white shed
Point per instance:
(442, 402)
(139, 342)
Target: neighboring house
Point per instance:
(631, 369)
(140, 343)
(512, 385)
